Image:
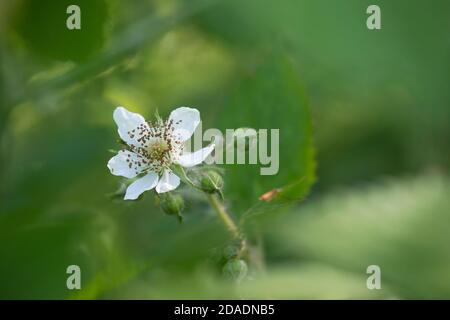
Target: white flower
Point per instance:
(153, 148)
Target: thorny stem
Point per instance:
(219, 208)
(223, 215)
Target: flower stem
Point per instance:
(218, 206)
(223, 215)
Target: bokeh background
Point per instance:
(364, 147)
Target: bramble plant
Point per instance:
(154, 157)
(349, 94)
(154, 149)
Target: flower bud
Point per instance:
(211, 181)
(235, 269)
(231, 251)
(171, 203)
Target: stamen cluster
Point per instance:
(157, 148)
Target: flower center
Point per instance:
(158, 150)
(156, 145)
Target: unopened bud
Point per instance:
(171, 203)
(235, 269)
(231, 251)
(211, 181)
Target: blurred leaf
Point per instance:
(309, 281)
(271, 97)
(401, 226)
(42, 25)
(128, 42)
(293, 281)
(35, 257)
(356, 77)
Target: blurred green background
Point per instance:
(364, 114)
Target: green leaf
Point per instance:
(271, 97)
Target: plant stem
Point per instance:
(217, 206)
(223, 215)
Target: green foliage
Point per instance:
(42, 26)
(399, 225)
(271, 97)
(378, 102)
(368, 86)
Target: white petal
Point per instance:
(184, 121)
(147, 182)
(119, 166)
(192, 159)
(127, 122)
(168, 182)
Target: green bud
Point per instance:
(211, 181)
(171, 203)
(235, 269)
(231, 251)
